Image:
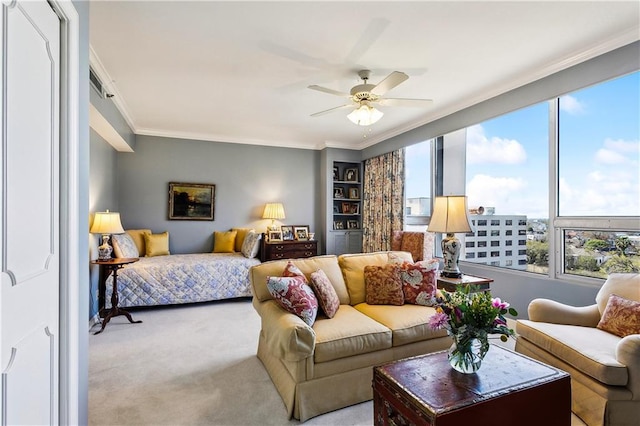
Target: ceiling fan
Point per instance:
(364, 96)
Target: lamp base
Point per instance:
(451, 253)
(105, 250)
(451, 274)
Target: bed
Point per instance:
(182, 278)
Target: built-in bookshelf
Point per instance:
(346, 217)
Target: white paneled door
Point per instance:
(29, 213)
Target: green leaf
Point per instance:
(513, 312)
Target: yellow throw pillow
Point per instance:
(241, 233)
(224, 242)
(138, 238)
(157, 244)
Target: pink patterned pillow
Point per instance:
(383, 285)
(326, 294)
(621, 316)
(292, 270)
(295, 296)
(418, 284)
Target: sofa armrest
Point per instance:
(545, 310)
(286, 335)
(628, 353)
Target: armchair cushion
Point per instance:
(574, 345)
(545, 310)
(622, 284)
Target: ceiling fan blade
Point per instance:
(391, 81)
(327, 111)
(405, 102)
(329, 91)
(371, 34)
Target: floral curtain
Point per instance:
(383, 201)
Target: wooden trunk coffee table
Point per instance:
(509, 389)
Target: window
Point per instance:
(495, 254)
(598, 153)
(482, 243)
(482, 233)
(495, 243)
(511, 185)
(482, 254)
(470, 244)
(482, 223)
(470, 255)
(417, 186)
(508, 253)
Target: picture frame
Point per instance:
(338, 192)
(351, 175)
(336, 209)
(275, 236)
(287, 233)
(336, 173)
(301, 232)
(354, 193)
(350, 208)
(191, 201)
(338, 224)
(352, 224)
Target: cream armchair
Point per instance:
(604, 368)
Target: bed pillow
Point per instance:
(621, 316)
(295, 296)
(383, 285)
(157, 244)
(224, 242)
(251, 244)
(325, 293)
(241, 234)
(138, 237)
(124, 246)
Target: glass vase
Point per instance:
(466, 353)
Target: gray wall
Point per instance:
(102, 196)
(246, 177)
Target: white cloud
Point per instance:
(607, 156)
(621, 145)
(618, 152)
(498, 192)
(571, 105)
(482, 150)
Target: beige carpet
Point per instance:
(191, 365)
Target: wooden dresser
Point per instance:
(509, 389)
(287, 250)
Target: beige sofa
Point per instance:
(604, 368)
(329, 366)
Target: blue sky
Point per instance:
(507, 157)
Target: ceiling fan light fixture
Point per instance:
(365, 115)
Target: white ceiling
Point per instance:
(239, 71)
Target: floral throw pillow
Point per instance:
(295, 296)
(383, 285)
(621, 316)
(418, 284)
(326, 294)
(292, 270)
(124, 246)
(251, 244)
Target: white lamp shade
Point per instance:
(365, 115)
(273, 211)
(450, 215)
(107, 223)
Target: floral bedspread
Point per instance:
(182, 278)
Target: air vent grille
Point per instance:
(97, 84)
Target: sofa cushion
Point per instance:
(349, 333)
(241, 233)
(624, 285)
(588, 349)
(419, 282)
(408, 323)
(291, 270)
(383, 285)
(328, 263)
(138, 237)
(295, 296)
(157, 244)
(224, 242)
(250, 244)
(621, 316)
(124, 246)
(326, 294)
(352, 266)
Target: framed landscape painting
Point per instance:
(191, 201)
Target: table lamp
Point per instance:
(450, 216)
(106, 223)
(273, 211)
